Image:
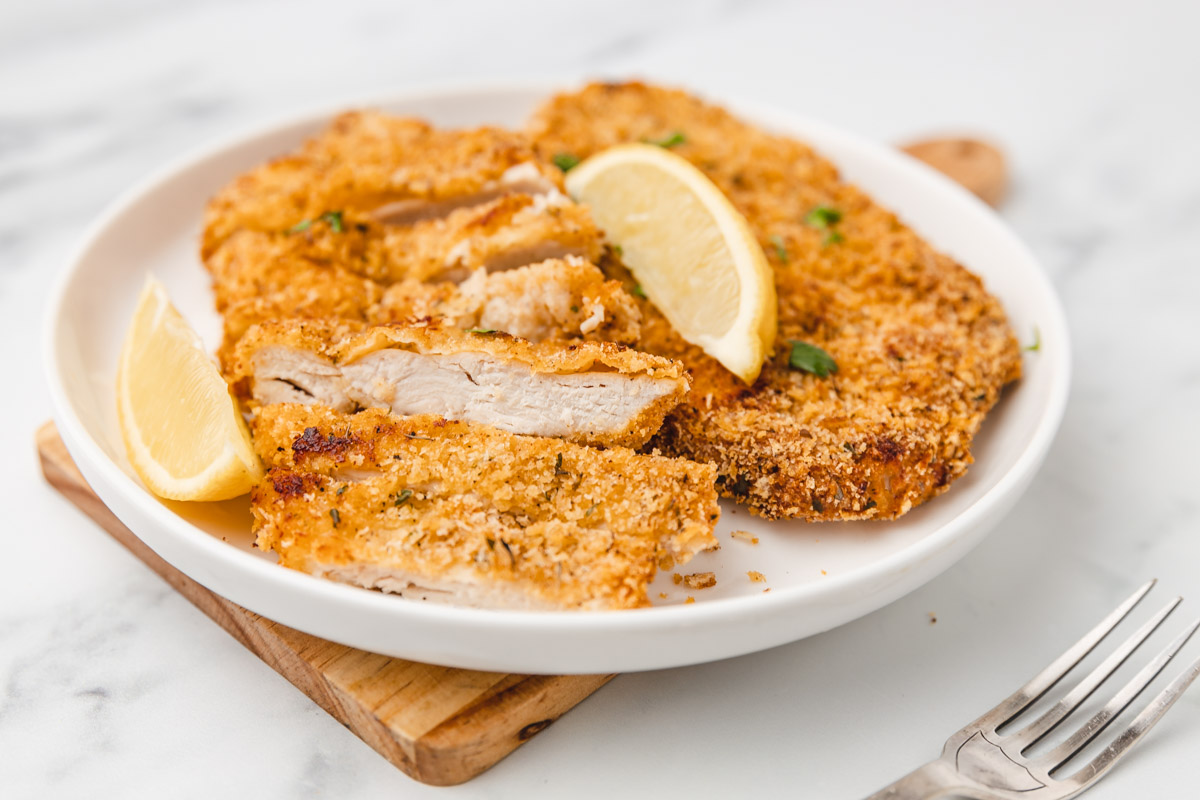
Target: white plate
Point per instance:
(820, 576)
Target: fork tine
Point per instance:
(1084, 689)
(1120, 701)
(1146, 720)
(1041, 683)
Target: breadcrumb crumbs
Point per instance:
(662, 595)
(745, 536)
(689, 600)
(700, 580)
(757, 577)
(676, 579)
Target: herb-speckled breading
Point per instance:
(922, 349)
(461, 512)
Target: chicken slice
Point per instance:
(596, 393)
(555, 299)
(391, 198)
(508, 232)
(366, 161)
(462, 513)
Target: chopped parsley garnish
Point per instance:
(342, 489)
(620, 251)
(638, 291)
(780, 248)
(574, 309)
(337, 518)
(670, 140)
(810, 358)
(1037, 342)
(825, 218)
(565, 161)
(558, 470)
(334, 218)
(588, 513)
(402, 498)
(481, 331)
(412, 435)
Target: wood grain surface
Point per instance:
(438, 724)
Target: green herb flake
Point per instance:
(558, 470)
(481, 331)
(638, 291)
(823, 217)
(337, 518)
(402, 498)
(1037, 342)
(565, 161)
(780, 248)
(342, 489)
(574, 309)
(588, 513)
(412, 435)
(334, 218)
(670, 140)
(832, 237)
(620, 251)
(810, 358)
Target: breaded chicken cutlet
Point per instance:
(922, 350)
(464, 513)
(596, 393)
(259, 277)
(392, 198)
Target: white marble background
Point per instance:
(112, 685)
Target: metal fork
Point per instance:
(979, 762)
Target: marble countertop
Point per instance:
(112, 684)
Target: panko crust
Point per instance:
(923, 350)
(561, 525)
(362, 161)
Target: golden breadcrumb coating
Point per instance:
(392, 198)
(366, 160)
(259, 277)
(556, 299)
(459, 511)
(922, 349)
(642, 387)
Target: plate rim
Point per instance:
(88, 453)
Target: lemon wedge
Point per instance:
(182, 429)
(692, 252)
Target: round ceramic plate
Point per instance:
(819, 575)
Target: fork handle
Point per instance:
(935, 779)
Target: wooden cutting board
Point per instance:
(439, 725)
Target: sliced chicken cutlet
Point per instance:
(392, 198)
(596, 393)
(260, 277)
(463, 513)
(922, 349)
